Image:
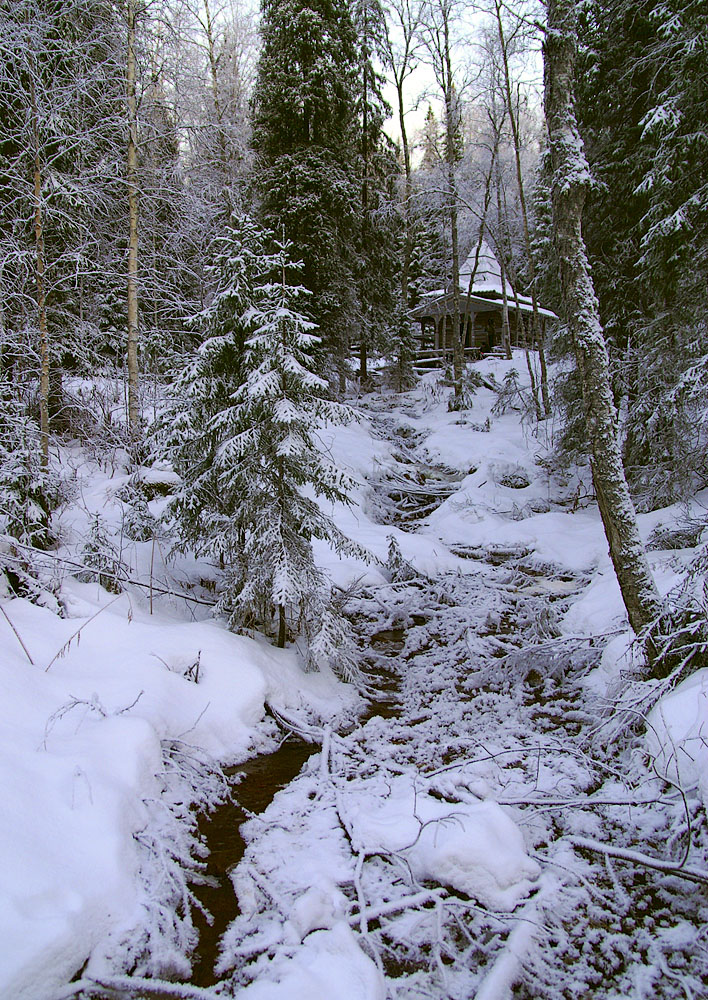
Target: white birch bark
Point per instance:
(569, 187)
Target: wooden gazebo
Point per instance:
(481, 307)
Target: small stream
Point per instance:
(263, 777)
(256, 782)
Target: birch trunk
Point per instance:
(132, 292)
(569, 188)
(536, 335)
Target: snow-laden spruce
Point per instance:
(244, 421)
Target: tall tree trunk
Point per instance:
(365, 155)
(407, 196)
(39, 271)
(451, 161)
(469, 316)
(133, 391)
(513, 119)
(214, 74)
(569, 188)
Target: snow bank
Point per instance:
(677, 734)
(80, 750)
(329, 964)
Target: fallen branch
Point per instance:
(73, 564)
(137, 986)
(635, 857)
(507, 968)
(397, 905)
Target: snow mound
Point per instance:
(329, 964)
(677, 734)
(475, 848)
(88, 702)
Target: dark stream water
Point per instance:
(261, 779)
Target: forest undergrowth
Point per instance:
(489, 704)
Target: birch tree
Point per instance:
(513, 117)
(438, 34)
(569, 187)
(59, 84)
(132, 189)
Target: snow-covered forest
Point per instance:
(353, 499)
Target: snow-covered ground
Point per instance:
(419, 855)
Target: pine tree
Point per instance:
(306, 143)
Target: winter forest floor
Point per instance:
(489, 821)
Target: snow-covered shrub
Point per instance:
(102, 558)
(471, 381)
(29, 492)
(514, 477)
(138, 523)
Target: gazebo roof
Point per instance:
(486, 294)
(487, 275)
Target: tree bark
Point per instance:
(40, 279)
(569, 188)
(451, 163)
(132, 292)
(537, 338)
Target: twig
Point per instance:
(152, 563)
(19, 637)
(136, 986)
(668, 867)
(65, 648)
(163, 591)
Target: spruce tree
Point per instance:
(240, 429)
(192, 429)
(274, 458)
(379, 261)
(305, 139)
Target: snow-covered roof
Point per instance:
(486, 293)
(487, 277)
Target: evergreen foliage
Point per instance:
(306, 143)
(242, 425)
(378, 246)
(29, 494)
(275, 459)
(207, 507)
(641, 100)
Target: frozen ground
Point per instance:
(451, 847)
